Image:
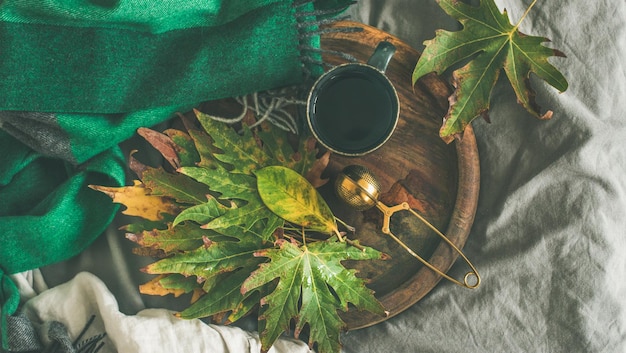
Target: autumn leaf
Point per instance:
(305, 161)
(205, 149)
(290, 196)
(173, 284)
(239, 151)
(306, 275)
(253, 216)
(179, 187)
(224, 298)
(202, 213)
(220, 256)
(186, 150)
(221, 267)
(491, 44)
(219, 213)
(248, 303)
(139, 202)
(162, 143)
(228, 185)
(183, 237)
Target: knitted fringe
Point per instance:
(308, 25)
(275, 106)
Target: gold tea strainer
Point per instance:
(358, 187)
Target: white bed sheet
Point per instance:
(549, 237)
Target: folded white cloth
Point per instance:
(150, 331)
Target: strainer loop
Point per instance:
(358, 187)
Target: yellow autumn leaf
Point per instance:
(138, 201)
(156, 287)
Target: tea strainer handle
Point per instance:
(389, 211)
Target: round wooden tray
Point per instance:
(438, 180)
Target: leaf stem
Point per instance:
(355, 244)
(525, 14)
(338, 234)
(293, 236)
(349, 227)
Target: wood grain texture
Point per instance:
(439, 180)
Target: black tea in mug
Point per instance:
(353, 109)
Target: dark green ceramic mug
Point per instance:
(353, 108)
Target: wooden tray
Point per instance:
(439, 180)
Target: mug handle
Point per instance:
(382, 55)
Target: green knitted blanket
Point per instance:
(80, 76)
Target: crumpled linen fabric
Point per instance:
(550, 234)
(149, 331)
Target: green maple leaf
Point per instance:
(241, 152)
(202, 213)
(278, 147)
(491, 43)
(223, 256)
(173, 239)
(187, 152)
(204, 148)
(306, 275)
(179, 187)
(221, 267)
(253, 216)
(222, 298)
